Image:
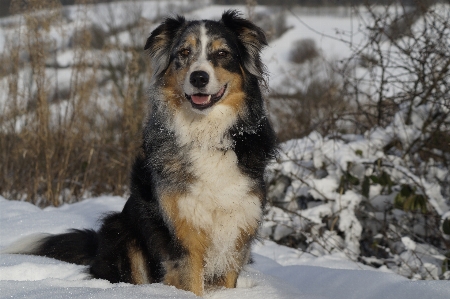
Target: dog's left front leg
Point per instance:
(242, 256)
(228, 280)
(186, 273)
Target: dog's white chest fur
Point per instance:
(219, 201)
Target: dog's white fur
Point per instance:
(220, 198)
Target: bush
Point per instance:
(304, 50)
(380, 195)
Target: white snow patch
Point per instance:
(278, 271)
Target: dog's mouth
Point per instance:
(202, 101)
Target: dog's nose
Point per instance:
(199, 79)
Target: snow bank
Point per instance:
(278, 271)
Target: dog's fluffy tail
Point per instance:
(75, 246)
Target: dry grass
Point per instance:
(59, 143)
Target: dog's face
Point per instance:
(206, 62)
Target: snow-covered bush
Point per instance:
(343, 195)
(379, 195)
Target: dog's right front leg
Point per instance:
(188, 275)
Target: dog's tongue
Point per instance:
(200, 99)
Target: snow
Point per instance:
(277, 271)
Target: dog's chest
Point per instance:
(220, 195)
(220, 203)
(219, 199)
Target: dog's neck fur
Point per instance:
(204, 131)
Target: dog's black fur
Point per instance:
(147, 242)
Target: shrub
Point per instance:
(380, 195)
(304, 50)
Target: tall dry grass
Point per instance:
(62, 140)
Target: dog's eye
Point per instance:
(184, 53)
(222, 53)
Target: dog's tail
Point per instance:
(75, 246)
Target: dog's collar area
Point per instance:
(203, 101)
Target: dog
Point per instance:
(197, 185)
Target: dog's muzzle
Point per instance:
(203, 101)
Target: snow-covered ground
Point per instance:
(278, 271)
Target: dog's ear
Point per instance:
(160, 43)
(252, 38)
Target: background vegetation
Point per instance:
(50, 152)
(368, 176)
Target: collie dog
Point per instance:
(197, 187)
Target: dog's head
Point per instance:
(206, 62)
